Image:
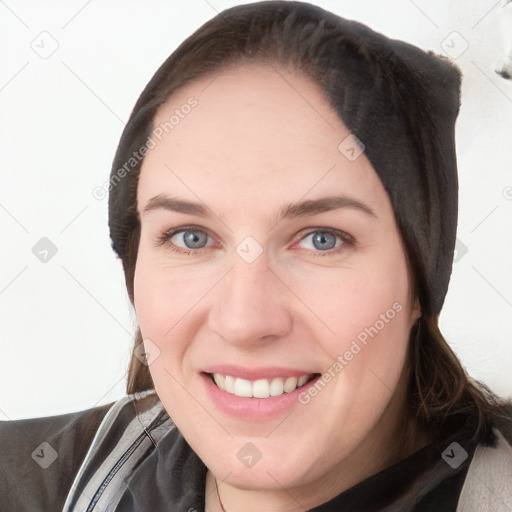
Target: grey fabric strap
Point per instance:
(488, 484)
(129, 432)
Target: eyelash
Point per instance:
(348, 240)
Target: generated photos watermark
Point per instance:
(100, 192)
(357, 345)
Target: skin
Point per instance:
(258, 140)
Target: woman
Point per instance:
(284, 202)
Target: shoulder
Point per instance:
(40, 457)
(488, 484)
(127, 437)
(21, 434)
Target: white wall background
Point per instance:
(66, 325)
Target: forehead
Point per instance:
(253, 104)
(253, 128)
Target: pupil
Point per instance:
(194, 240)
(324, 241)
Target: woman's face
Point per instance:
(269, 255)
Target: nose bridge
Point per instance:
(250, 304)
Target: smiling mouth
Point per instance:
(261, 388)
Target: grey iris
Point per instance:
(195, 239)
(324, 241)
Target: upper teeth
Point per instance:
(262, 388)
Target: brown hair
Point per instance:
(302, 36)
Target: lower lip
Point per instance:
(253, 408)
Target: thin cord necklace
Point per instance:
(218, 495)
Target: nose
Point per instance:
(251, 305)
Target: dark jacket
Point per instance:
(128, 456)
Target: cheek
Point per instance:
(164, 295)
(150, 299)
(164, 300)
(369, 313)
(374, 336)
(170, 307)
(355, 304)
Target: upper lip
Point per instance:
(269, 372)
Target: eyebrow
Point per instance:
(322, 205)
(306, 208)
(164, 202)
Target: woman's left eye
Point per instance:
(323, 240)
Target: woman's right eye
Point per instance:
(186, 240)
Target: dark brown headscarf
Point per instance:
(400, 101)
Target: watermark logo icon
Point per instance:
(351, 148)
(147, 352)
(44, 250)
(44, 45)
(249, 455)
(249, 249)
(460, 250)
(45, 455)
(454, 455)
(454, 45)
